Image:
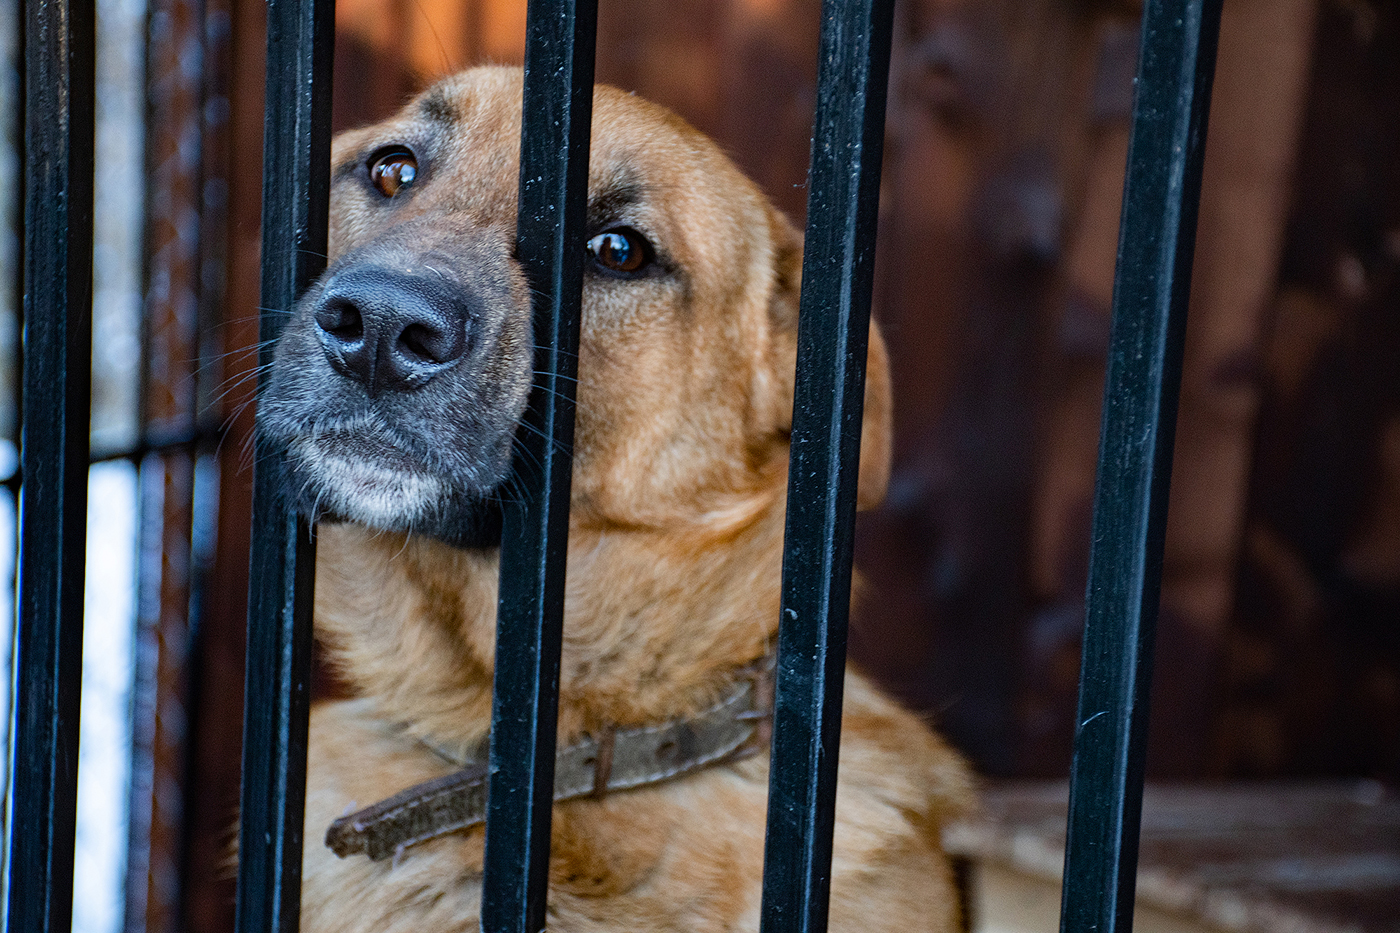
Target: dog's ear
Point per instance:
(876, 426)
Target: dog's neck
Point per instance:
(656, 622)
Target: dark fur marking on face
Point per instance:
(348, 168)
(437, 106)
(610, 205)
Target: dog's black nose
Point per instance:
(390, 330)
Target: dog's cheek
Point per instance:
(294, 383)
(624, 344)
(507, 370)
(350, 215)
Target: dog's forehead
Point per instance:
(636, 145)
(648, 168)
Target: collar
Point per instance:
(739, 725)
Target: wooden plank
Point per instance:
(1246, 858)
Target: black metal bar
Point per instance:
(558, 105)
(162, 746)
(296, 185)
(15, 123)
(59, 128)
(1156, 241)
(833, 333)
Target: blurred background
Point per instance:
(1278, 651)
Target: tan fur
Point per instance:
(685, 397)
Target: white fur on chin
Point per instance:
(369, 493)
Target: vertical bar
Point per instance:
(10, 421)
(170, 349)
(296, 185)
(59, 130)
(558, 105)
(1156, 241)
(833, 333)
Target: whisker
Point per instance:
(556, 350)
(442, 50)
(559, 447)
(543, 372)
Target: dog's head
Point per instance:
(401, 377)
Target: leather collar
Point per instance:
(740, 724)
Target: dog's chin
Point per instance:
(386, 491)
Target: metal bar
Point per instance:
(1156, 241)
(59, 130)
(558, 105)
(833, 333)
(296, 185)
(161, 744)
(160, 695)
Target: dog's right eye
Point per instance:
(392, 170)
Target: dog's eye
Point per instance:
(392, 170)
(620, 251)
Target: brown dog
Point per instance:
(397, 388)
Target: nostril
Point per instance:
(429, 344)
(342, 320)
(422, 342)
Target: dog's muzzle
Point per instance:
(399, 382)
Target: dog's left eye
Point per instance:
(620, 251)
(392, 170)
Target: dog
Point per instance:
(396, 390)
